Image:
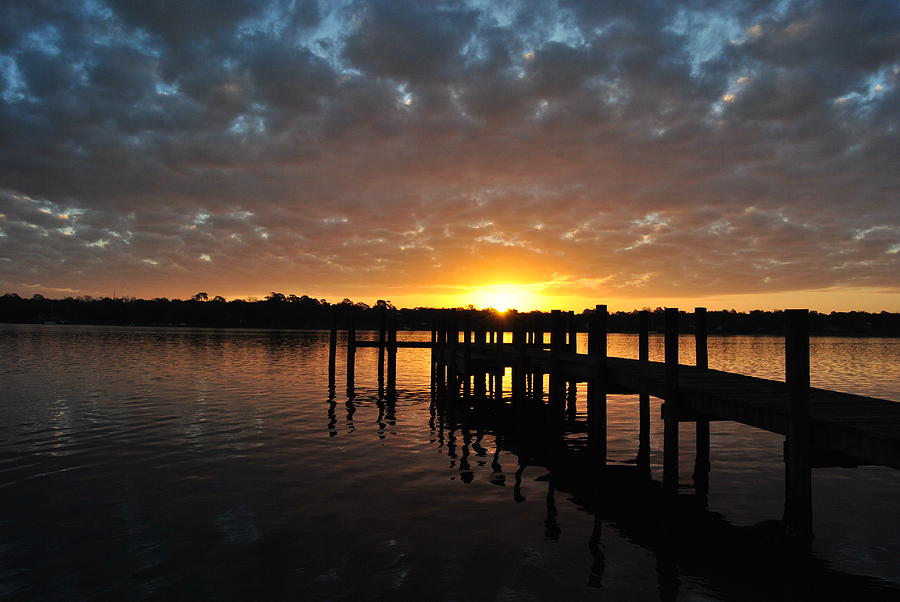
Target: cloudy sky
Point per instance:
(733, 154)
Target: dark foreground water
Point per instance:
(201, 464)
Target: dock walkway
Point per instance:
(821, 427)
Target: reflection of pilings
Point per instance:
(598, 566)
(670, 410)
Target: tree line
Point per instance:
(278, 310)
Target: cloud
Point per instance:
(619, 149)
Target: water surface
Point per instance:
(140, 463)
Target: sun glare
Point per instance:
(504, 297)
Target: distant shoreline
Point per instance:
(403, 328)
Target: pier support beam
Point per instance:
(643, 459)
(701, 459)
(798, 478)
(382, 316)
(351, 355)
(332, 351)
(557, 386)
(670, 409)
(392, 358)
(597, 349)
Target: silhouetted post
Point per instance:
(572, 394)
(557, 383)
(518, 373)
(597, 349)
(467, 353)
(332, 348)
(798, 493)
(701, 459)
(381, 338)
(442, 355)
(479, 346)
(392, 356)
(499, 331)
(537, 376)
(670, 411)
(643, 458)
(452, 344)
(434, 344)
(351, 353)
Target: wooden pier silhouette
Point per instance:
(821, 427)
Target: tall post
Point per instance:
(572, 346)
(597, 349)
(467, 353)
(643, 459)
(332, 350)
(499, 331)
(452, 345)
(701, 459)
(518, 372)
(537, 375)
(392, 356)
(434, 343)
(557, 386)
(670, 410)
(381, 340)
(798, 488)
(351, 353)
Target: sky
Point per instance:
(533, 154)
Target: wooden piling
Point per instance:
(452, 345)
(381, 343)
(670, 409)
(332, 349)
(557, 386)
(597, 348)
(351, 354)
(701, 458)
(643, 459)
(572, 347)
(798, 487)
(392, 356)
(518, 372)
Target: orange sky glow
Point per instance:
(516, 154)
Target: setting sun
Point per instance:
(503, 297)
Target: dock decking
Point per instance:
(821, 427)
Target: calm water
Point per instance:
(203, 464)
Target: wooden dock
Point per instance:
(821, 427)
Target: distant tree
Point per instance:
(37, 297)
(274, 297)
(219, 299)
(381, 303)
(200, 297)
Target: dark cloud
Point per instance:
(605, 149)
